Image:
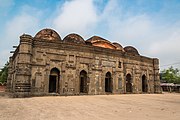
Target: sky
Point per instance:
(151, 26)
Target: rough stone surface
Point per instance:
(44, 66)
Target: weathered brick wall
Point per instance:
(31, 67)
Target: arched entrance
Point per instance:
(54, 80)
(144, 84)
(83, 82)
(108, 82)
(128, 83)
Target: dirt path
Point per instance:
(100, 107)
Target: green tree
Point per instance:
(4, 73)
(171, 75)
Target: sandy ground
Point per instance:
(99, 107)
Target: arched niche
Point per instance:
(54, 79)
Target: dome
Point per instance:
(118, 46)
(100, 42)
(97, 39)
(47, 34)
(131, 50)
(74, 38)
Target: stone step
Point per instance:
(22, 87)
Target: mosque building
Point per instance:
(47, 65)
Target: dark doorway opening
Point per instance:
(128, 83)
(144, 84)
(52, 84)
(83, 82)
(108, 82)
(54, 81)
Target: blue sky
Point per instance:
(152, 26)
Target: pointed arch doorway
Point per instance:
(83, 82)
(108, 83)
(128, 83)
(144, 84)
(54, 80)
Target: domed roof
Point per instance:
(118, 46)
(131, 50)
(74, 38)
(100, 42)
(97, 39)
(48, 34)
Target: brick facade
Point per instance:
(46, 65)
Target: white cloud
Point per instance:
(23, 23)
(14, 28)
(122, 27)
(6, 3)
(113, 22)
(111, 8)
(75, 16)
(5, 54)
(167, 45)
(130, 30)
(150, 37)
(135, 27)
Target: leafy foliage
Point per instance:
(4, 73)
(171, 75)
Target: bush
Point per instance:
(171, 75)
(4, 74)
